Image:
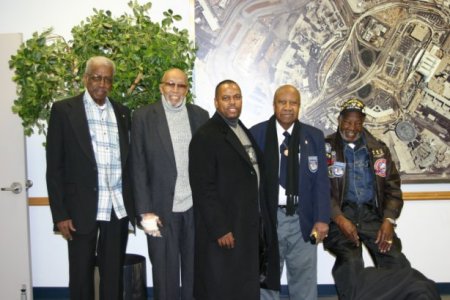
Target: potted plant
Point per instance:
(48, 68)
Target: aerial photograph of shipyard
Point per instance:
(393, 55)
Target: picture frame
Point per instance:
(395, 58)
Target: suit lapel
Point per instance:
(303, 144)
(162, 126)
(78, 120)
(193, 121)
(232, 139)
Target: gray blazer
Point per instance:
(154, 171)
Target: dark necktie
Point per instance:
(284, 151)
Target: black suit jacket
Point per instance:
(152, 158)
(72, 178)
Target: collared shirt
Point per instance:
(280, 138)
(105, 142)
(359, 176)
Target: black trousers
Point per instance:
(349, 261)
(104, 246)
(394, 284)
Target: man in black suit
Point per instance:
(224, 169)
(88, 184)
(160, 138)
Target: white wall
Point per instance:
(422, 227)
(49, 251)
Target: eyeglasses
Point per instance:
(99, 78)
(173, 85)
(227, 98)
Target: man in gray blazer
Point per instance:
(160, 137)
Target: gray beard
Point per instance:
(169, 105)
(357, 137)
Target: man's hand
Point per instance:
(227, 241)
(66, 227)
(320, 231)
(348, 229)
(149, 216)
(385, 236)
(150, 223)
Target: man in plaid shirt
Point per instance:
(88, 184)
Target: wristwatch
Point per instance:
(392, 221)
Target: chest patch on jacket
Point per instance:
(336, 170)
(380, 167)
(313, 164)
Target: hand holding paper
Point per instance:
(150, 223)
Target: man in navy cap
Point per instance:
(366, 199)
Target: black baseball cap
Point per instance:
(353, 104)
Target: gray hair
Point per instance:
(99, 60)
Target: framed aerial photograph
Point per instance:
(393, 55)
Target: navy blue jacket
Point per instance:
(314, 185)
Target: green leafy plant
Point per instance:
(49, 68)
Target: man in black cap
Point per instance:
(366, 199)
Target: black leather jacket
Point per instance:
(388, 199)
